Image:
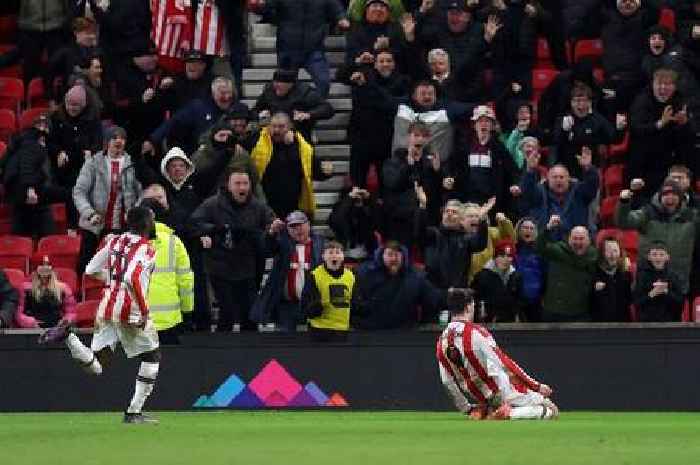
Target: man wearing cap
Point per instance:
(194, 83)
(107, 187)
(298, 99)
(231, 226)
(665, 218)
(297, 251)
(500, 286)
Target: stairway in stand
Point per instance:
(331, 135)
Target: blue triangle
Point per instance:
(202, 401)
(314, 391)
(227, 391)
(246, 399)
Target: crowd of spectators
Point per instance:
(466, 170)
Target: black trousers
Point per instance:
(235, 299)
(32, 220)
(31, 46)
(201, 316)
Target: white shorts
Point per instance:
(135, 341)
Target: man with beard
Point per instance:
(230, 226)
(287, 166)
(370, 130)
(660, 133)
(298, 99)
(327, 296)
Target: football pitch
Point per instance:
(345, 437)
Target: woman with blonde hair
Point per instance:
(45, 300)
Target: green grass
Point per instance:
(357, 438)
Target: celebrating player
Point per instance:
(481, 379)
(125, 264)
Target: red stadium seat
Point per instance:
(69, 277)
(607, 211)
(541, 78)
(630, 241)
(58, 212)
(614, 179)
(619, 150)
(35, 94)
(667, 19)
(86, 311)
(8, 29)
(11, 93)
(696, 309)
(5, 219)
(8, 124)
(3, 149)
(544, 56)
(26, 119)
(606, 233)
(91, 288)
(63, 250)
(599, 74)
(16, 278)
(588, 48)
(687, 315)
(13, 71)
(15, 252)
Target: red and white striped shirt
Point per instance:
(128, 259)
(171, 28)
(479, 367)
(210, 30)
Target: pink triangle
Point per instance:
(275, 400)
(274, 377)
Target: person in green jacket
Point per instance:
(571, 268)
(665, 218)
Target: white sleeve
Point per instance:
(97, 266)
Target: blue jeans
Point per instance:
(314, 62)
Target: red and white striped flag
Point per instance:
(172, 26)
(210, 30)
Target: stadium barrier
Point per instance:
(592, 367)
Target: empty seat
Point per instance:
(69, 277)
(588, 48)
(607, 210)
(26, 119)
(16, 278)
(63, 250)
(544, 56)
(85, 313)
(541, 78)
(11, 93)
(667, 19)
(8, 124)
(91, 288)
(58, 212)
(607, 233)
(630, 241)
(614, 179)
(15, 252)
(35, 94)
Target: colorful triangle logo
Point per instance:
(272, 387)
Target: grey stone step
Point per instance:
(333, 184)
(322, 230)
(340, 104)
(330, 136)
(321, 216)
(262, 29)
(333, 152)
(254, 90)
(339, 120)
(326, 199)
(340, 167)
(269, 60)
(265, 74)
(269, 43)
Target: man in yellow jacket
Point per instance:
(171, 292)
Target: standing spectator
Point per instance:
(107, 187)
(663, 52)
(659, 132)
(26, 179)
(193, 84)
(172, 32)
(612, 283)
(407, 170)
(583, 127)
(98, 86)
(666, 218)
(371, 130)
(485, 169)
(354, 222)
(571, 267)
(531, 267)
(170, 294)
(76, 133)
(684, 177)
(301, 29)
(502, 231)
(658, 292)
(63, 62)
(500, 286)
(287, 166)
(8, 301)
(377, 31)
(688, 21)
(45, 300)
(327, 295)
(43, 25)
(389, 291)
(230, 226)
(297, 251)
(560, 195)
(298, 99)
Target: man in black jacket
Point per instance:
(230, 226)
(657, 293)
(298, 99)
(9, 297)
(194, 83)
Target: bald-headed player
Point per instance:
(481, 379)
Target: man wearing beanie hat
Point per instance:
(500, 286)
(298, 99)
(665, 218)
(194, 83)
(107, 187)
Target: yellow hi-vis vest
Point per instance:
(171, 290)
(335, 299)
(262, 154)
